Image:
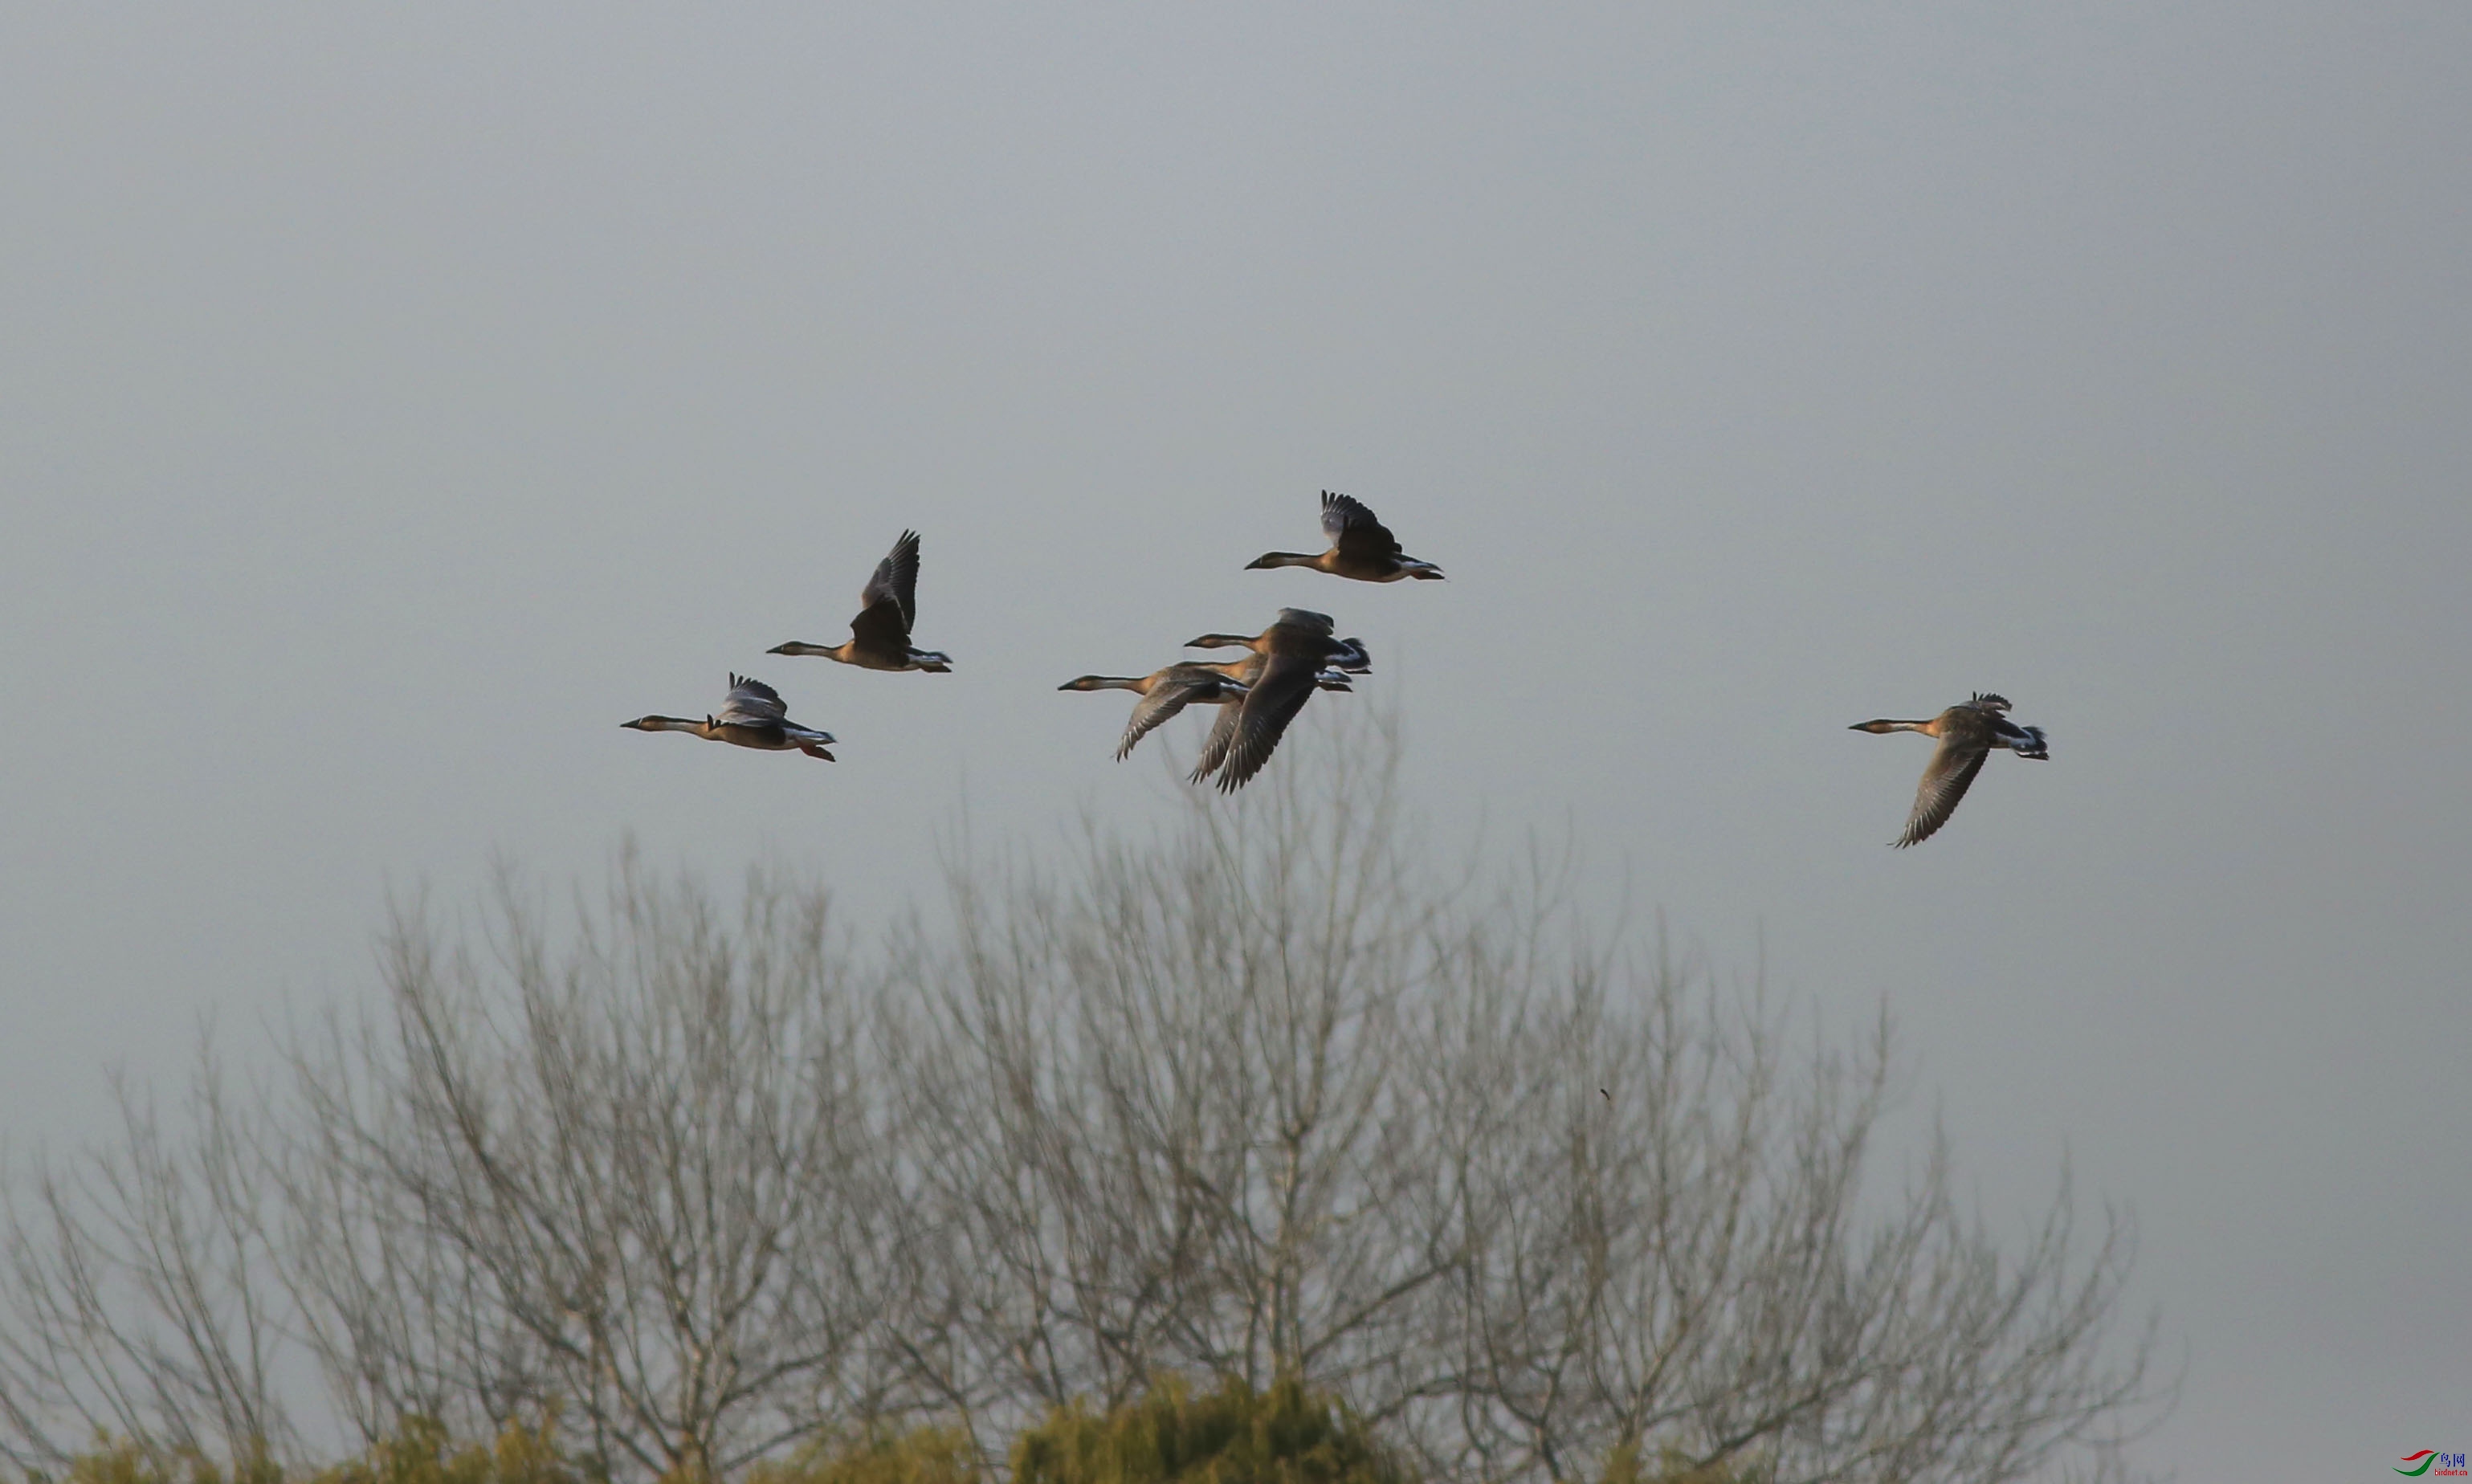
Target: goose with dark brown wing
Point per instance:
(1361, 547)
(1968, 733)
(1297, 652)
(1222, 732)
(1352, 656)
(1165, 692)
(887, 606)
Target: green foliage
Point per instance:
(1628, 1464)
(420, 1452)
(1232, 1435)
(1229, 1435)
(923, 1455)
(126, 1461)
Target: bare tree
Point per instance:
(634, 1178)
(1271, 1094)
(135, 1299)
(1165, 1105)
(1265, 1095)
(1671, 1247)
(639, 1178)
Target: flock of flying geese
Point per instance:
(1259, 695)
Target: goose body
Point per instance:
(1165, 692)
(887, 606)
(1222, 732)
(1350, 655)
(1361, 547)
(1296, 653)
(752, 716)
(1968, 733)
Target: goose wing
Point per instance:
(1214, 747)
(1222, 732)
(1945, 780)
(1286, 683)
(1354, 530)
(888, 604)
(751, 703)
(1183, 685)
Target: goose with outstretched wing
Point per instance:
(1350, 656)
(1361, 547)
(1165, 692)
(1222, 732)
(1968, 733)
(1296, 652)
(751, 717)
(887, 607)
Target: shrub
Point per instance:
(1628, 1465)
(126, 1461)
(1231, 1435)
(420, 1452)
(923, 1455)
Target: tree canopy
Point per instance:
(1265, 1099)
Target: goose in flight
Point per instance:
(1170, 690)
(1361, 547)
(1163, 692)
(1351, 655)
(888, 605)
(1296, 651)
(752, 716)
(1966, 732)
(1222, 732)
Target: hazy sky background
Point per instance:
(393, 401)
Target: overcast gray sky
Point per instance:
(392, 401)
